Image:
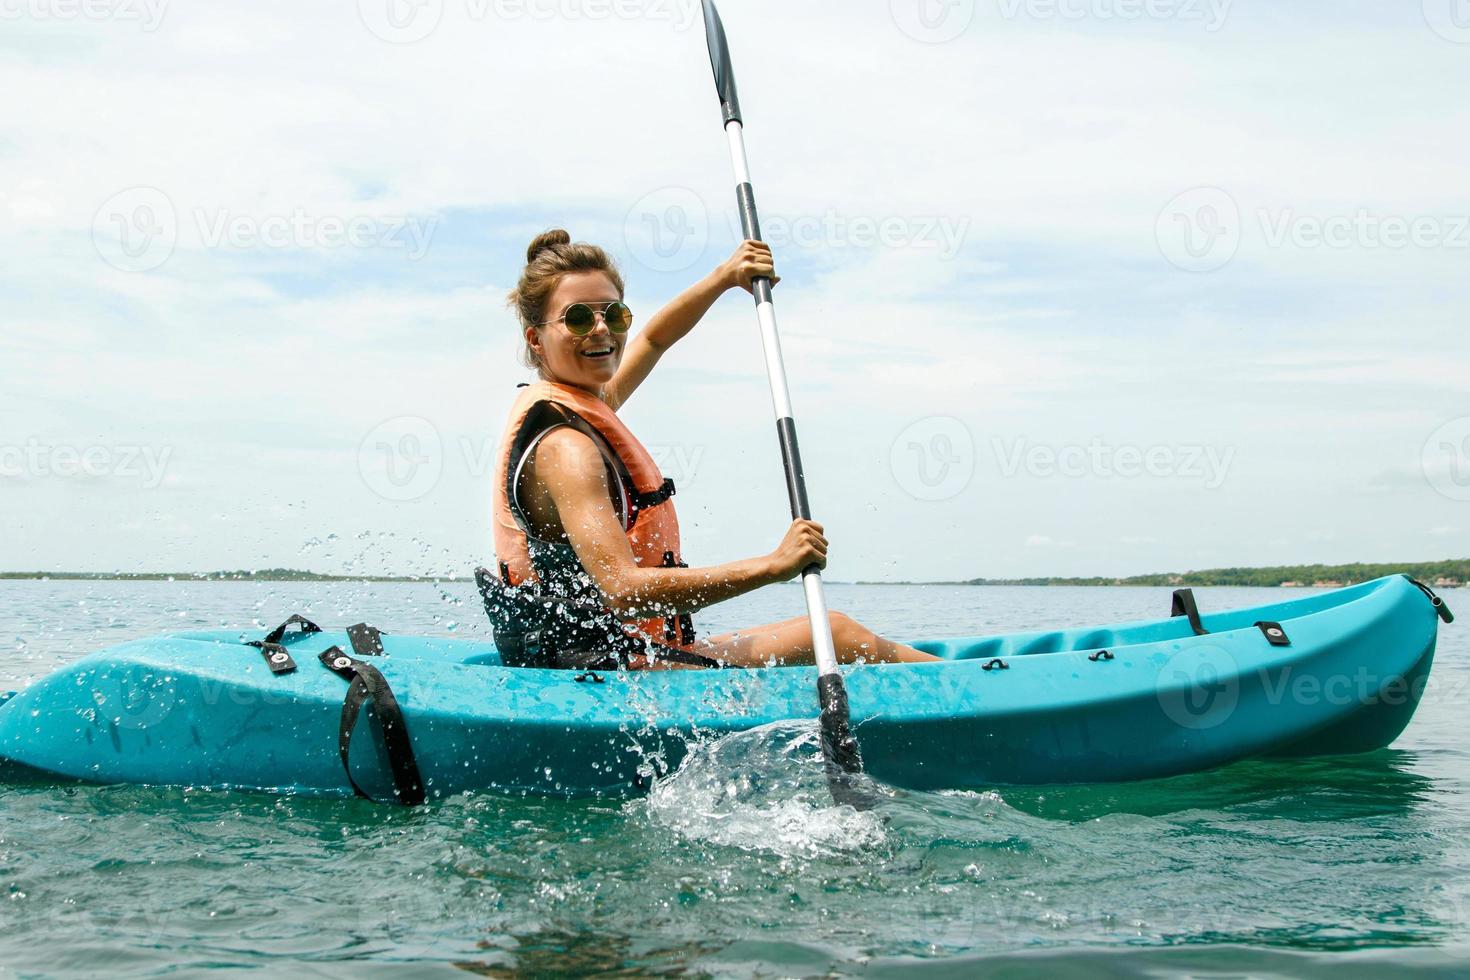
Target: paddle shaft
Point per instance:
(839, 746)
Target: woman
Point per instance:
(580, 507)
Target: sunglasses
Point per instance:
(580, 318)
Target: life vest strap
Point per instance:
(643, 501)
(677, 629)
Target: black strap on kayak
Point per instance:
(1184, 606)
(1434, 600)
(272, 645)
(1274, 634)
(278, 635)
(367, 641)
(364, 682)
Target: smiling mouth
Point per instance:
(598, 353)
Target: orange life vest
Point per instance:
(641, 494)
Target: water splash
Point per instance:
(761, 790)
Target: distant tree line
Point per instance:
(1426, 571)
(259, 575)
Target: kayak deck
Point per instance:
(1101, 703)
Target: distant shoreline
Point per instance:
(1451, 573)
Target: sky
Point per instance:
(1069, 287)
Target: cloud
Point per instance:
(1019, 170)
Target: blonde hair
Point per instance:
(550, 256)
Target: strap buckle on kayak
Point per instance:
(1435, 601)
(1274, 634)
(996, 664)
(276, 657)
(1101, 655)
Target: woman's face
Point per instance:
(585, 362)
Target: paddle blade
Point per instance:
(840, 747)
(719, 59)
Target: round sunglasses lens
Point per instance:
(618, 317)
(580, 318)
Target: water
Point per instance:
(737, 865)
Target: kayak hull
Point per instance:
(1123, 702)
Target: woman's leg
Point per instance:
(790, 642)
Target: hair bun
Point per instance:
(546, 240)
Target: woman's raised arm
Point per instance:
(749, 261)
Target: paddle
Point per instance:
(839, 746)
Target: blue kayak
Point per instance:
(330, 712)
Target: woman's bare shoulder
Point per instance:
(565, 455)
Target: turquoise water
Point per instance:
(737, 865)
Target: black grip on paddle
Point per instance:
(750, 223)
(791, 458)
